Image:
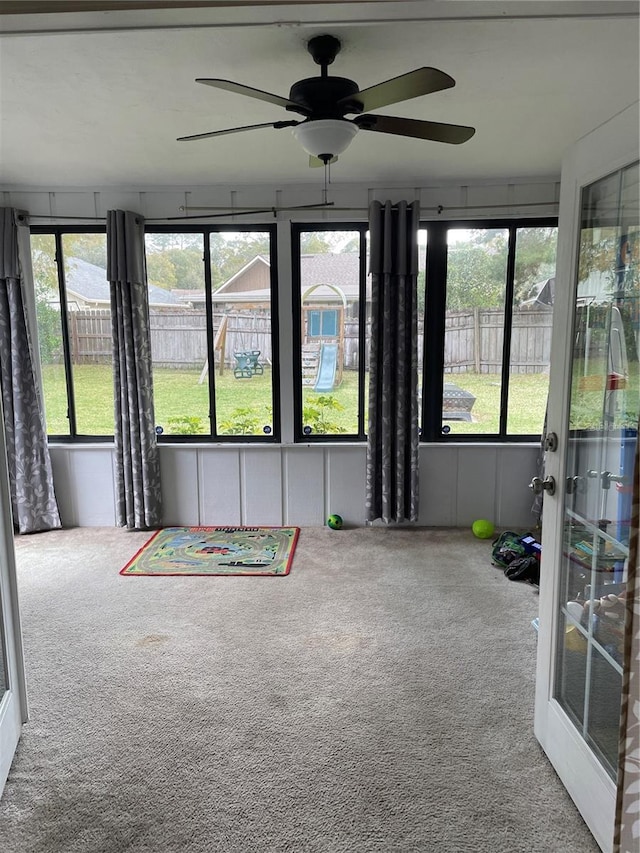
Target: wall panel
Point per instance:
(91, 472)
(345, 479)
(438, 486)
(261, 486)
(219, 487)
(476, 483)
(300, 484)
(304, 487)
(64, 485)
(515, 468)
(180, 487)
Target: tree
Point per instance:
(598, 253)
(477, 266)
(188, 265)
(91, 248)
(476, 270)
(45, 279)
(535, 259)
(161, 270)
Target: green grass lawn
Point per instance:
(527, 403)
(181, 402)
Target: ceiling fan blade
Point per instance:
(276, 124)
(436, 131)
(241, 89)
(422, 81)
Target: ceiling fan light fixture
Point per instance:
(325, 138)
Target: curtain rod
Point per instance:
(244, 211)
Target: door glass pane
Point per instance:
(603, 420)
(242, 318)
(533, 293)
(90, 337)
(178, 326)
(474, 329)
(330, 332)
(50, 341)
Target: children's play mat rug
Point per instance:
(216, 551)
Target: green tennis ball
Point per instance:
(483, 529)
(335, 522)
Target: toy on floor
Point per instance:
(483, 529)
(335, 522)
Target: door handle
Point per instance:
(538, 485)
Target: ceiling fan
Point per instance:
(325, 102)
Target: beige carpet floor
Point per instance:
(379, 698)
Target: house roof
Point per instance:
(89, 283)
(340, 270)
(229, 283)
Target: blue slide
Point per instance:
(327, 368)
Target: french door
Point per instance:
(13, 703)
(594, 404)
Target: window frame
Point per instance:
(213, 436)
(430, 415)
(297, 229)
(434, 328)
(58, 231)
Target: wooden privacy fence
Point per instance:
(90, 336)
(473, 339)
(178, 338)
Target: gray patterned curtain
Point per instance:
(137, 475)
(392, 448)
(627, 826)
(33, 499)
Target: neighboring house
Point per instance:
(87, 287)
(324, 272)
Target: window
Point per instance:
(331, 306)
(73, 313)
(485, 297)
(214, 353)
(487, 342)
(213, 348)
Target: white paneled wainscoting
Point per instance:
(300, 484)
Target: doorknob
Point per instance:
(538, 485)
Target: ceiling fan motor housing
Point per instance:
(319, 97)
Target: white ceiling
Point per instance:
(98, 98)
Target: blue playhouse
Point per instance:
(323, 341)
